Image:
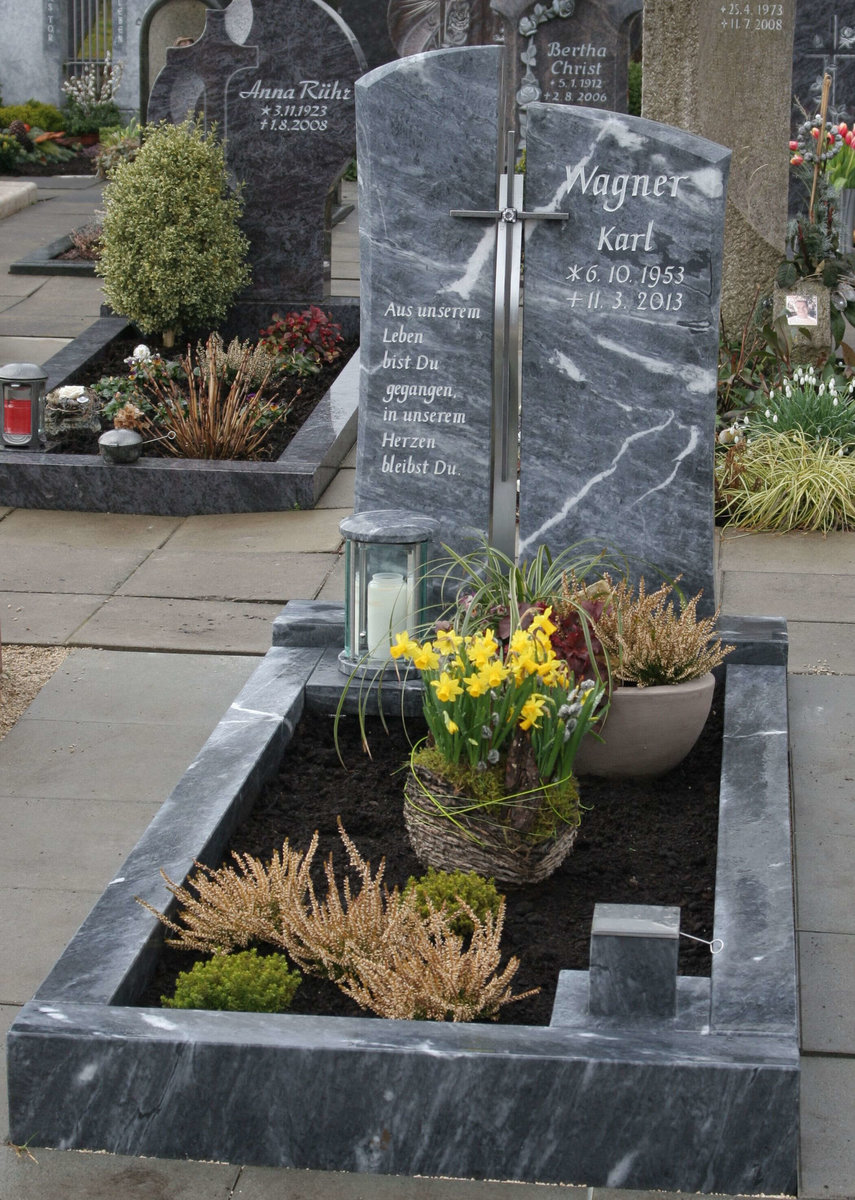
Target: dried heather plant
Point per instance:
(257, 361)
(649, 643)
(372, 943)
(228, 908)
(427, 972)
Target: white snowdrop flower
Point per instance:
(775, 419)
(768, 412)
(745, 421)
(834, 402)
(821, 391)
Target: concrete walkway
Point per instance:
(167, 618)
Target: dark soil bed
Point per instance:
(303, 393)
(640, 842)
(81, 164)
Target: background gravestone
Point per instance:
(726, 74)
(367, 19)
(570, 51)
(620, 343)
(824, 42)
(427, 137)
(281, 91)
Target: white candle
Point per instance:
(387, 612)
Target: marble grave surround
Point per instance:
(182, 487)
(620, 347)
(281, 93)
(706, 1100)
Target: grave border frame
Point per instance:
(402, 1097)
(183, 487)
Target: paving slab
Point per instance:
(822, 715)
(333, 590)
(269, 1183)
(224, 575)
(827, 1167)
(38, 922)
(775, 594)
(197, 626)
(794, 553)
(339, 494)
(44, 618)
(315, 531)
(99, 530)
(29, 349)
(96, 760)
(8, 1013)
(71, 845)
(827, 985)
(76, 1175)
(820, 648)
(824, 881)
(15, 195)
(62, 568)
(147, 688)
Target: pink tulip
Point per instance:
(796, 160)
(794, 145)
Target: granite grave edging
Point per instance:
(579, 1102)
(182, 487)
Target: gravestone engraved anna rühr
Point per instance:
(283, 96)
(620, 343)
(427, 138)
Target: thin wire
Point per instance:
(716, 945)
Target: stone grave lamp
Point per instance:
(22, 411)
(385, 563)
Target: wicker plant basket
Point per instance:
(473, 840)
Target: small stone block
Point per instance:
(633, 970)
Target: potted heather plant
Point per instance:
(661, 662)
(492, 788)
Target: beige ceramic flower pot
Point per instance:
(647, 730)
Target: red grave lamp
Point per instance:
(22, 388)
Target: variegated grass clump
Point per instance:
(785, 482)
(649, 643)
(371, 942)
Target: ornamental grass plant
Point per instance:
(786, 483)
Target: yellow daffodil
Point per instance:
(450, 725)
(532, 710)
(447, 641)
(447, 688)
(476, 685)
(543, 623)
(482, 648)
(404, 646)
(494, 674)
(425, 658)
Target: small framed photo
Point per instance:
(801, 310)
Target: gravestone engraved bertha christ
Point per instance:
(279, 81)
(621, 339)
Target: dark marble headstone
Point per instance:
(621, 339)
(427, 132)
(824, 41)
(367, 19)
(570, 51)
(281, 91)
(562, 52)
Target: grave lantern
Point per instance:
(22, 409)
(385, 563)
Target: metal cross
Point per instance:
(509, 215)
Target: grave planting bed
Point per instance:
(706, 1100)
(178, 486)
